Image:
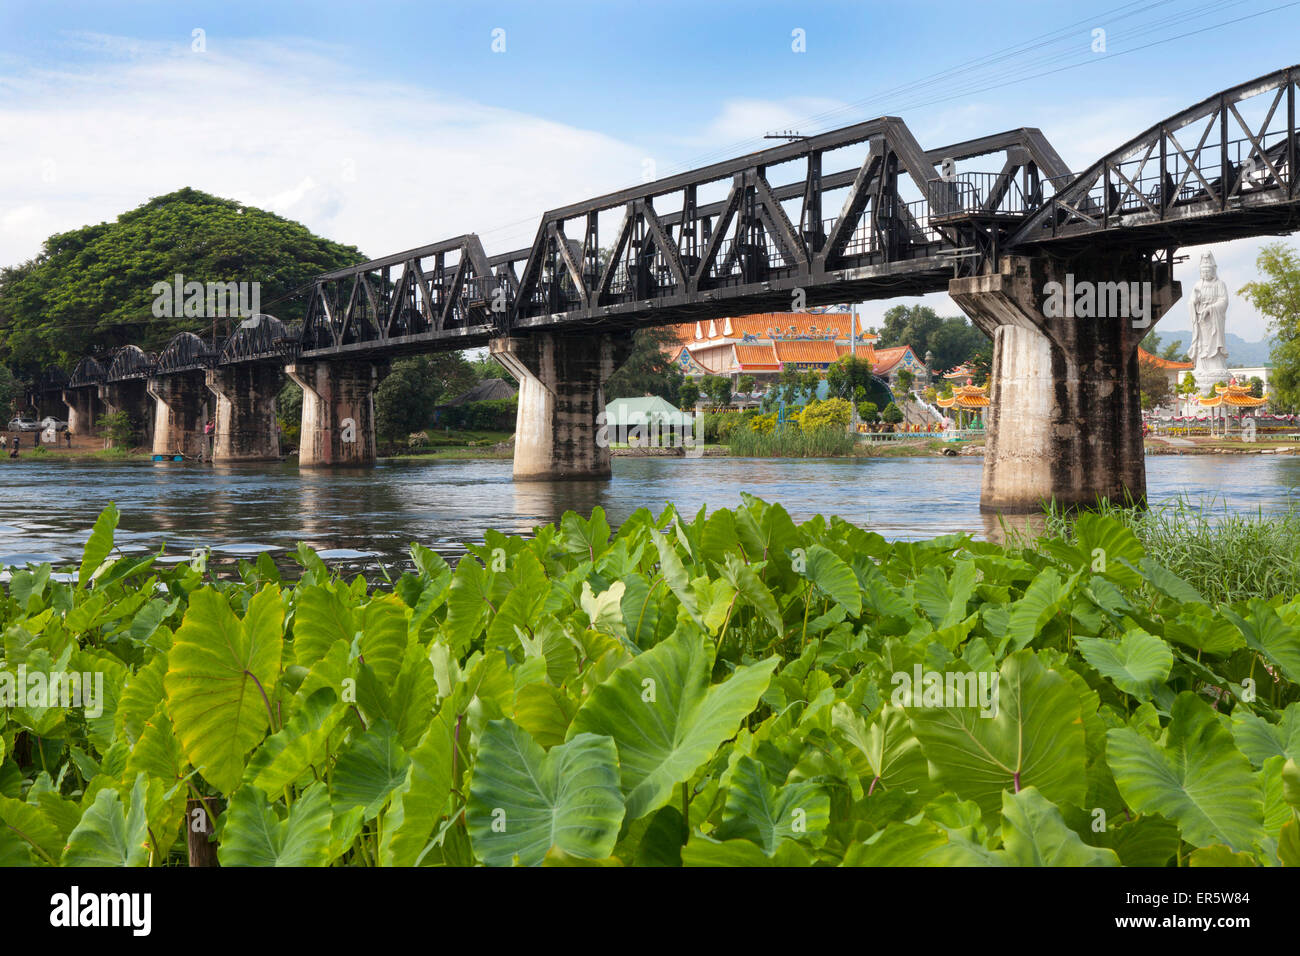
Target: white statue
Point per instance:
(1209, 304)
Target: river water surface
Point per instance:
(47, 507)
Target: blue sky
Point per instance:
(389, 125)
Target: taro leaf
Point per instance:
(835, 579)
(661, 843)
(98, 545)
(524, 800)
(1219, 856)
(417, 804)
(33, 825)
(1036, 738)
(665, 716)
(543, 711)
(1268, 634)
(586, 538)
(1288, 844)
(220, 677)
(1201, 629)
(1169, 584)
(675, 575)
(1034, 834)
(285, 756)
(899, 844)
(1259, 740)
(1045, 598)
(1138, 663)
(109, 834)
(886, 752)
(703, 851)
(254, 834)
(769, 815)
(1200, 780)
(640, 605)
(368, 770)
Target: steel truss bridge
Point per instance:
(860, 213)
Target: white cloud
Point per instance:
(376, 165)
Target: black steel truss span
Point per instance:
(261, 338)
(131, 362)
(88, 372)
(1222, 169)
(186, 352)
(699, 256)
(859, 213)
(403, 302)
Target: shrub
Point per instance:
(892, 414)
(831, 413)
(118, 429)
(869, 412)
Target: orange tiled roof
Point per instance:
(1158, 362)
(888, 358)
(808, 352)
(762, 324)
(758, 356)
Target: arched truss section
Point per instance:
(261, 337)
(87, 372)
(441, 291)
(185, 352)
(1219, 170)
(131, 361)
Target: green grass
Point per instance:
(1226, 556)
(457, 453)
(791, 442)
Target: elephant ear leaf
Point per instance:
(98, 545)
(1035, 834)
(110, 834)
(1200, 780)
(1035, 737)
(666, 718)
(255, 836)
(525, 800)
(221, 676)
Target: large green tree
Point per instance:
(649, 370)
(1276, 293)
(952, 340)
(92, 289)
(405, 399)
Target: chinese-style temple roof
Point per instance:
(967, 397)
(1158, 362)
(1237, 396)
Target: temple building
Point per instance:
(966, 404)
(762, 344)
(1230, 400)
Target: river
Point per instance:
(359, 517)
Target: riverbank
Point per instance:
(1210, 446)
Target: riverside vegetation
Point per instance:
(718, 689)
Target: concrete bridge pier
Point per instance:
(180, 412)
(1065, 420)
(561, 400)
(246, 426)
(130, 396)
(84, 409)
(338, 411)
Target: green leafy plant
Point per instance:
(728, 688)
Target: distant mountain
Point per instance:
(1240, 352)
